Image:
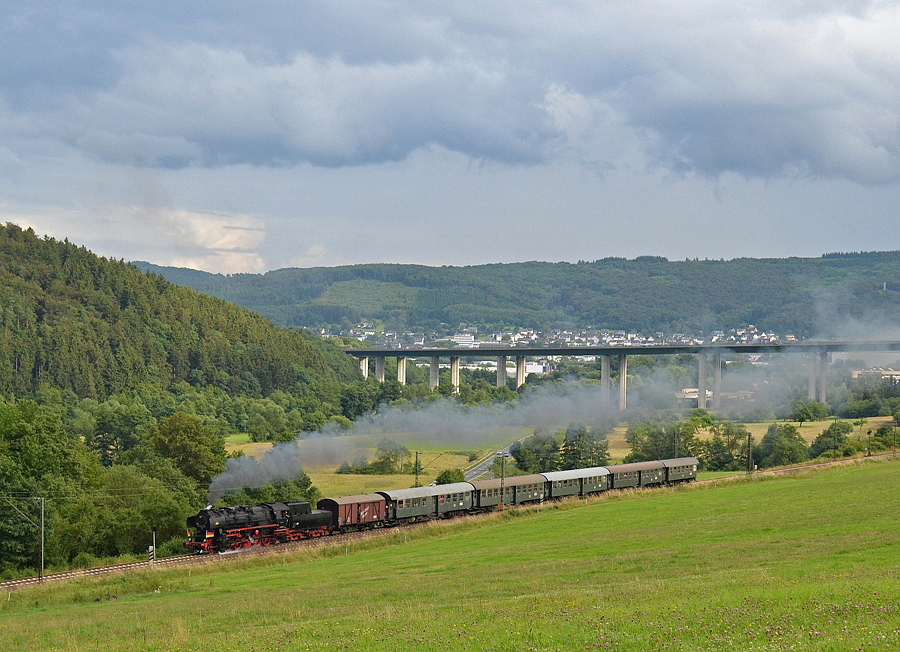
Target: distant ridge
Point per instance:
(647, 294)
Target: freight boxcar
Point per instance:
(358, 512)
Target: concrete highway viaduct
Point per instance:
(709, 358)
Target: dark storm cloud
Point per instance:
(755, 88)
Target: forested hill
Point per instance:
(647, 294)
(77, 322)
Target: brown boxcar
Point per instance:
(355, 512)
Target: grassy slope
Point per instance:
(805, 562)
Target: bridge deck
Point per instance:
(646, 349)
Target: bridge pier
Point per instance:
(454, 373)
(364, 367)
(501, 371)
(811, 369)
(823, 375)
(401, 370)
(623, 382)
(379, 369)
(520, 371)
(604, 381)
(717, 381)
(701, 381)
(434, 373)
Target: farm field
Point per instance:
(337, 484)
(348, 445)
(802, 562)
(618, 447)
(321, 469)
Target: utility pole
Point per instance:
(41, 574)
(424, 467)
(749, 454)
(10, 500)
(502, 482)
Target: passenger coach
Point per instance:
(577, 482)
(515, 490)
(427, 502)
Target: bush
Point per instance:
(833, 437)
(171, 548)
(449, 476)
(782, 444)
(85, 560)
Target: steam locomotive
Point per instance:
(235, 528)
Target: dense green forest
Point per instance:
(647, 294)
(97, 327)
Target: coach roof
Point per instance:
(636, 466)
(512, 481)
(680, 461)
(425, 492)
(359, 498)
(574, 474)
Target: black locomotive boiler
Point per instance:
(244, 526)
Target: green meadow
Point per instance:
(805, 562)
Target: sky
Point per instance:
(243, 137)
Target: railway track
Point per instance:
(95, 572)
(797, 469)
(184, 560)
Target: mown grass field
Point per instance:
(803, 562)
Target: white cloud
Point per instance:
(210, 241)
(222, 262)
(315, 255)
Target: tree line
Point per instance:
(730, 447)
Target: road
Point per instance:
(484, 464)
